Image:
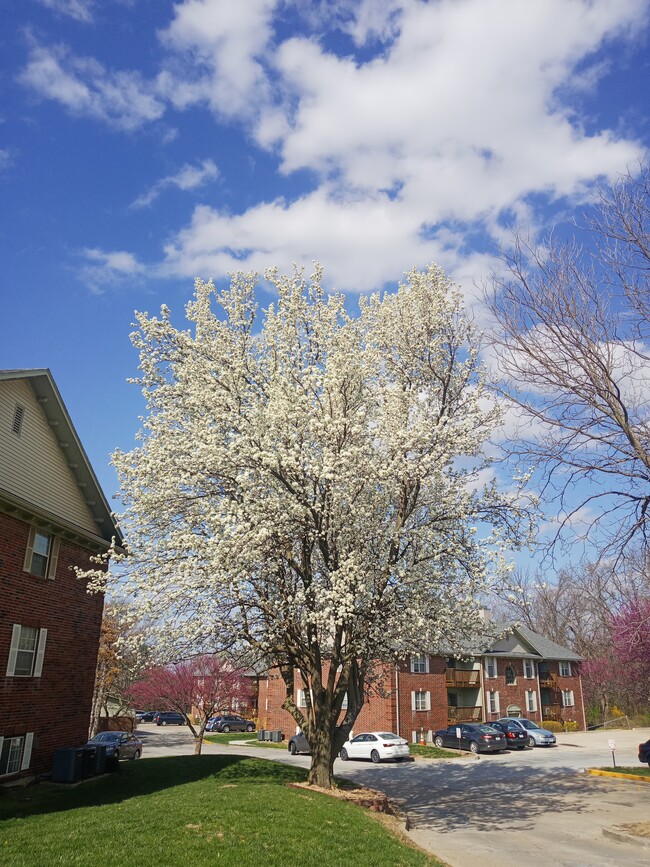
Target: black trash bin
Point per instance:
(276, 736)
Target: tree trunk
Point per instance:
(322, 761)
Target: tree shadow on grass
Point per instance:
(144, 777)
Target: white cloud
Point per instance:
(5, 158)
(189, 177)
(79, 10)
(105, 268)
(85, 87)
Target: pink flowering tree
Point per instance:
(205, 684)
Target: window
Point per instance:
(529, 668)
(344, 703)
(565, 669)
(41, 554)
(420, 664)
(493, 699)
(301, 701)
(490, 666)
(420, 700)
(511, 675)
(15, 753)
(19, 415)
(567, 698)
(531, 700)
(26, 651)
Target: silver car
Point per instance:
(537, 736)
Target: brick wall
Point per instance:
(511, 694)
(56, 705)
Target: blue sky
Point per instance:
(144, 142)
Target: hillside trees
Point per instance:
(571, 342)
(311, 485)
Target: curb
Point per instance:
(619, 776)
(623, 837)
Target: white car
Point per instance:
(537, 736)
(376, 746)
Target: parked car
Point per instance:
(298, 743)
(516, 737)
(537, 736)
(121, 745)
(229, 723)
(146, 715)
(169, 718)
(376, 746)
(644, 752)
(475, 737)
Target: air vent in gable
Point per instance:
(19, 415)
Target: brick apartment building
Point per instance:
(521, 674)
(53, 516)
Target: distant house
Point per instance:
(53, 516)
(522, 674)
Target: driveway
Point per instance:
(504, 810)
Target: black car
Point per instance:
(298, 743)
(229, 723)
(644, 753)
(516, 737)
(475, 737)
(146, 715)
(169, 718)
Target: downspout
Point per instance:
(582, 700)
(397, 715)
(539, 692)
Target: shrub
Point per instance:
(552, 726)
(571, 726)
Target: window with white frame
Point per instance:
(529, 668)
(301, 701)
(420, 664)
(26, 651)
(490, 666)
(420, 700)
(15, 753)
(41, 554)
(344, 703)
(493, 701)
(567, 698)
(565, 669)
(531, 700)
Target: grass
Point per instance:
(197, 810)
(640, 770)
(431, 752)
(225, 739)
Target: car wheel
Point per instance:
(374, 756)
(250, 728)
(438, 742)
(136, 755)
(116, 755)
(292, 748)
(473, 747)
(225, 729)
(531, 741)
(164, 722)
(344, 755)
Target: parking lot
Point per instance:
(501, 810)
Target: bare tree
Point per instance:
(571, 353)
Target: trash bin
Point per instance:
(267, 735)
(260, 734)
(67, 765)
(276, 736)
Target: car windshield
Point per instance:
(389, 736)
(108, 736)
(489, 730)
(529, 724)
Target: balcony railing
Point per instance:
(463, 714)
(547, 680)
(552, 712)
(459, 677)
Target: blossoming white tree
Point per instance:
(309, 485)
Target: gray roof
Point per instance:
(56, 414)
(546, 648)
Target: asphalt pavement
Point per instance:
(536, 807)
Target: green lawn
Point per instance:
(225, 739)
(431, 752)
(195, 810)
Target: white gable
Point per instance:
(32, 465)
(512, 644)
